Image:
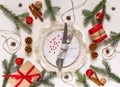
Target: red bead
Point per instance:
(100, 16)
(29, 20)
(19, 61)
(89, 72)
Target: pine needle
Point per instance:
(7, 68)
(81, 78)
(106, 72)
(90, 16)
(51, 11)
(45, 79)
(114, 39)
(17, 19)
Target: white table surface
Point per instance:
(113, 25)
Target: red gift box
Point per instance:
(97, 33)
(25, 76)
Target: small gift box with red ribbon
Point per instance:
(25, 76)
(97, 33)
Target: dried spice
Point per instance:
(28, 40)
(28, 49)
(93, 46)
(94, 55)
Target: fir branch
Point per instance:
(45, 79)
(107, 67)
(5, 66)
(51, 10)
(24, 15)
(16, 19)
(105, 72)
(114, 39)
(8, 68)
(90, 16)
(81, 78)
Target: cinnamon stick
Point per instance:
(95, 75)
(95, 81)
(33, 12)
(36, 9)
(38, 15)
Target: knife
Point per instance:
(61, 56)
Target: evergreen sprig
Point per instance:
(51, 10)
(17, 19)
(106, 72)
(81, 78)
(90, 16)
(114, 39)
(45, 79)
(8, 68)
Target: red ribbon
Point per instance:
(22, 76)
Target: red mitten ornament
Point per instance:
(97, 33)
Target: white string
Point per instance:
(73, 8)
(5, 44)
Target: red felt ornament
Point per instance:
(29, 20)
(99, 16)
(89, 72)
(19, 61)
(97, 33)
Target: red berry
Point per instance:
(19, 61)
(99, 16)
(29, 20)
(89, 72)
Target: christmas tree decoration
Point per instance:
(89, 72)
(17, 19)
(97, 33)
(114, 39)
(36, 11)
(90, 16)
(99, 16)
(51, 10)
(45, 79)
(19, 61)
(8, 68)
(94, 77)
(106, 72)
(29, 20)
(81, 78)
(25, 76)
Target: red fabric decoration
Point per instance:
(22, 76)
(97, 33)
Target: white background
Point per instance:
(113, 25)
